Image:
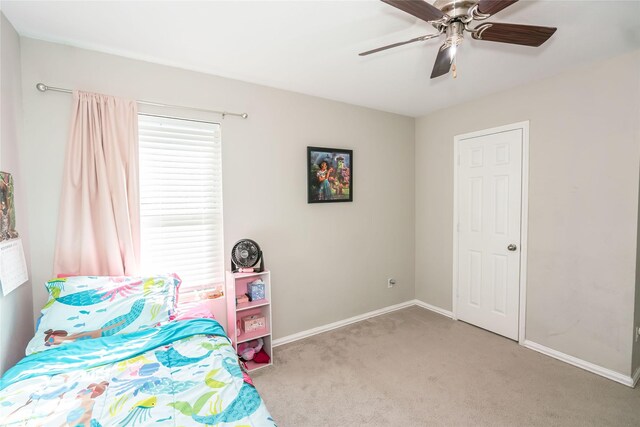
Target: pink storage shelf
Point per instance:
(245, 275)
(236, 284)
(252, 366)
(253, 335)
(252, 304)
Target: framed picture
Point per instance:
(7, 208)
(329, 175)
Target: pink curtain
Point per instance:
(99, 222)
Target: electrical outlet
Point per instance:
(637, 332)
(391, 283)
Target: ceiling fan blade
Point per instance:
(491, 7)
(527, 35)
(417, 39)
(443, 62)
(418, 8)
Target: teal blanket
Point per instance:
(184, 373)
(85, 354)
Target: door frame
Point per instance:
(524, 224)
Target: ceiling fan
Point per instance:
(453, 17)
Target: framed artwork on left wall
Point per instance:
(7, 208)
(329, 175)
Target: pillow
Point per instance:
(197, 311)
(85, 307)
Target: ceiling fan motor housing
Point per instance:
(455, 8)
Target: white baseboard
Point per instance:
(588, 366)
(433, 308)
(320, 329)
(636, 377)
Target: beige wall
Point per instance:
(583, 204)
(316, 252)
(16, 320)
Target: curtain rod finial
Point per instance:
(244, 115)
(41, 87)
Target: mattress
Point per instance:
(185, 373)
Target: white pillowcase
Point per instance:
(84, 307)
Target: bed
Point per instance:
(172, 372)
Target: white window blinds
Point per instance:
(181, 200)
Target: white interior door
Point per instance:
(489, 192)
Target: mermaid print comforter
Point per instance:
(184, 373)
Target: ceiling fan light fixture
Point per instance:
(453, 43)
(455, 37)
(452, 51)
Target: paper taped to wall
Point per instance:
(13, 266)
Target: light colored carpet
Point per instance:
(413, 367)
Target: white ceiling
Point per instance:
(311, 47)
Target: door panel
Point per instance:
(489, 220)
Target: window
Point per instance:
(181, 200)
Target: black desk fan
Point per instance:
(245, 255)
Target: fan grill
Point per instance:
(246, 253)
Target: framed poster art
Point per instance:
(329, 175)
(7, 208)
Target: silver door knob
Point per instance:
(512, 247)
